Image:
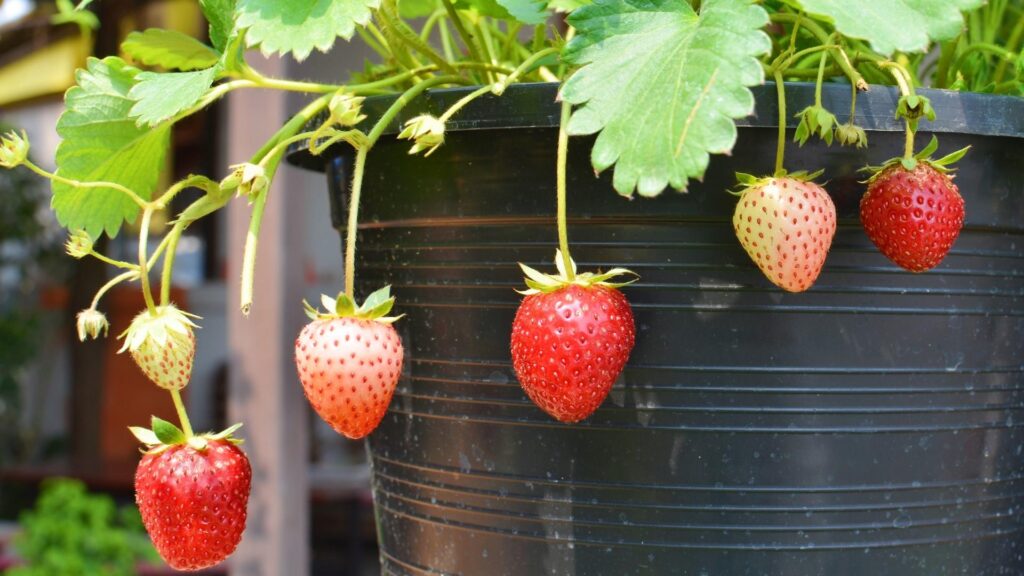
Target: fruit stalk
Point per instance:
(560, 185)
(906, 90)
(780, 147)
(179, 406)
(147, 216)
(353, 222)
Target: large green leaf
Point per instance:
(221, 16)
(100, 142)
(169, 49)
(890, 25)
(662, 85)
(161, 96)
(299, 26)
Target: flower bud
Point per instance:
(79, 244)
(850, 134)
(248, 179)
(346, 109)
(90, 322)
(13, 149)
(426, 131)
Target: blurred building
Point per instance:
(311, 503)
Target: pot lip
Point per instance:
(535, 105)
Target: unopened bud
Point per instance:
(90, 323)
(346, 109)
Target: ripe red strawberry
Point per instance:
(162, 345)
(912, 211)
(571, 338)
(349, 360)
(786, 225)
(192, 494)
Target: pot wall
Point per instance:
(869, 426)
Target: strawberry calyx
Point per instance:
(163, 435)
(539, 282)
(942, 165)
(745, 181)
(158, 327)
(375, 307)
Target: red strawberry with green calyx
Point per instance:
(571, 337)
(912, 211)
(192, 493)
(786, 224)
(349, 360)
(163, 345)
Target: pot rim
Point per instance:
(535, 105)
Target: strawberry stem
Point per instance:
(821, 78)
(147, 216)
(179, 406)
(560, 185)
(906, 90)
(780, 148)
(353, 222)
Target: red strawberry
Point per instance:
(163, 345)
(913, 211)
(349, 361)
(786, 225)
(571, 338)
(192, 494)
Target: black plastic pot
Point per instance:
(870, 426)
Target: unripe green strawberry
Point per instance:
(349, 360)
(163, 345)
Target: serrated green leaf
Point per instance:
(100, 142)
(161, 96)
(662, 85)
(166, 432)
(531, 12)
(299, 26)
(169, 49)
(891, 25)
(221, 16)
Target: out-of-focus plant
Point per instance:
(72, 532)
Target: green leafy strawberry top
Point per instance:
(162, 435)
(943, 165)
(375, 307)
(539, 282)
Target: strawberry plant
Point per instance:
(658, 84)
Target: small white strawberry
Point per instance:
(786, 225)
(163, 345)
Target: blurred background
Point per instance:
(66, 458)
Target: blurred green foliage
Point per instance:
(72, 532)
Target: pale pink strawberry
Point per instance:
(786, 225)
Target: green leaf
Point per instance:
(567, 5)
(161, 96)
(376, 299)
(662, 85)
(891, 25)
(221, 16)
(299, 26)
(166, 432)
(169, 49)
(101, 142)
(531, 12)
(416, 8)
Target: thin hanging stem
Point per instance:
(780, 148)
(563, 157)
(147, 215)
(906, 89)
(179, 406)
(353, 222)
